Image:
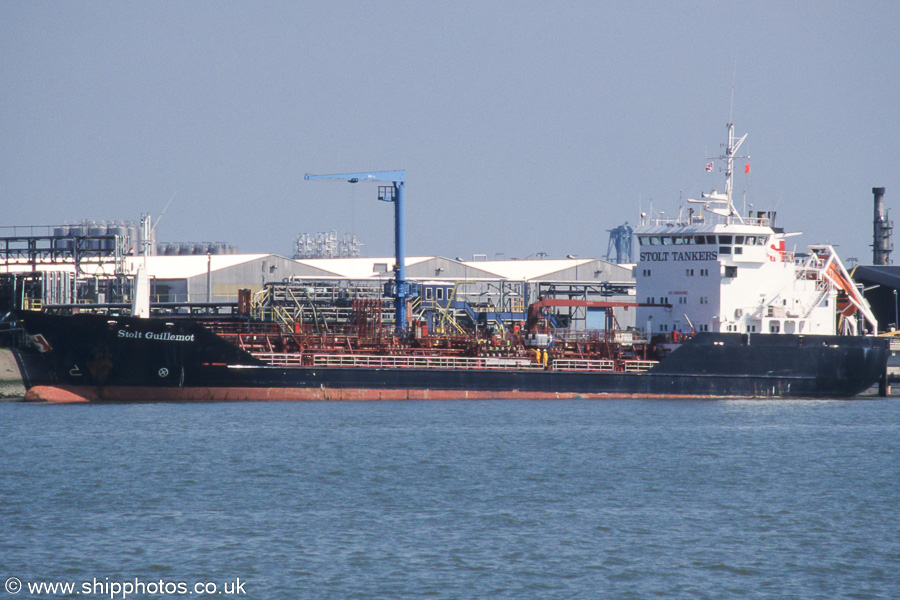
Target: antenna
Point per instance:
(155, 225)
(733, 79)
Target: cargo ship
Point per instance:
(723, 309)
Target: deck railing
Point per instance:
(280, 359)
(577, 364)
(422, 362)
(639, 366)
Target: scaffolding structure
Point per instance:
(326, 245)
(63, 265)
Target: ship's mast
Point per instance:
(729, 157)
(730, 149)
(722, 204)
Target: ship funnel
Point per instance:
(883, 243)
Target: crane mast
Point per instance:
(388, 193)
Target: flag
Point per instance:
(709, 167)
(747, 168)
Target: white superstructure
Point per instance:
(716, 270)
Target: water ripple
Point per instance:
(511, 499)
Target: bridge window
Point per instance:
(725, 239)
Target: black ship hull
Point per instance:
(120, 359)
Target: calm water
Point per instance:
(505, 499)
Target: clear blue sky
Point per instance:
(524, 127)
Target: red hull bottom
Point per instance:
(75, 394)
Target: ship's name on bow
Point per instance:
(678, 255)
(159, 337)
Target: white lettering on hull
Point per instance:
(159, 337)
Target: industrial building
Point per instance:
(506, 287)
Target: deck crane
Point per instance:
(388, 193)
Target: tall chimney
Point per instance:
(883, 244)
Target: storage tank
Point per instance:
(139, 242)
(133, 246)
(61, 232)
(96, 228)
(119, 229)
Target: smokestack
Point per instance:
(883, 244)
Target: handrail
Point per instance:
(577, 364)
(423, 362)
(639, 366)
(369, 361)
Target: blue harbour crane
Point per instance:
(388, 193)
(620, 241)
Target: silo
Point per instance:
(133, 245)
(94, 229)
(139, 241)
(60, 233)
(119, 229)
